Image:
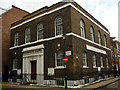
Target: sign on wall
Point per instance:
(68, 53)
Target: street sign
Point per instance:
(68, 53)
(65, 59)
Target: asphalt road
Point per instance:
(113, 86)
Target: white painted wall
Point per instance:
(30, 54)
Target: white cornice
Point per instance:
(66, 5)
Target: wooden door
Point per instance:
(33, 70)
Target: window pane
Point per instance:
(92, 33)
(99, 37)
(84, 58)
(16, 37)
(59, 57)
(107, 62)
(82, 27)
(94, 61)
(105, 40)
(14, 63)
(27, 35)
(40, 31)
(59, 25)
(101, 59)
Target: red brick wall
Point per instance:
(8, 18)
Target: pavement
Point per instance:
(101, 83)
(94, 85)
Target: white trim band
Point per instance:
(78, 36)
(66, 5)
(68, 34)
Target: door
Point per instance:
(33, 70)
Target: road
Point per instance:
(113, 86)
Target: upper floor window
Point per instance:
(105, 40)
(101, 61)
(94, 60)
(39, 31)
(27, 35)
(92, 33)
(16, 38)
(82, 28)
(15, 63)
(58, 25)
(99, 37)
(59, 58)
(84, 59)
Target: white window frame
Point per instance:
(92, 33)
(94, 60)
(99, 37)
(58, 23)
(82, 28)
(39, 31)
(105, 40)
(56, 61)
(101, 62)
(27, 35)
(84, 60)
(15, 62)
(107, 62)
(16, 39)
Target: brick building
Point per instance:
(7, 18)
(116, 56)
(41, 39)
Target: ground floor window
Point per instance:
(84, 58)
(107, 62)
(59, 58)
(60, 82)
(94, 60)
(101, 61)
(15, 63)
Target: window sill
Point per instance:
(85, 67)
(59, 35)
(59, 67)
(14, 69)
(102, 67)
(94, 67)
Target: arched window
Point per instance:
(105, 40)
(92, 33)
(16, 38)
(82, 28)
(84, 59)
(99, 37)
(39, 31)
(27, 35)
(58, 25)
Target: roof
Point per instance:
(46, 9)
(13, 6)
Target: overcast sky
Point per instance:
(106, 11)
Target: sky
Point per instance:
(105, 11)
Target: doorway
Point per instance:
(33, 70)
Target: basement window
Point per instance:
(60, 82)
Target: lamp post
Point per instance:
(64, 38)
